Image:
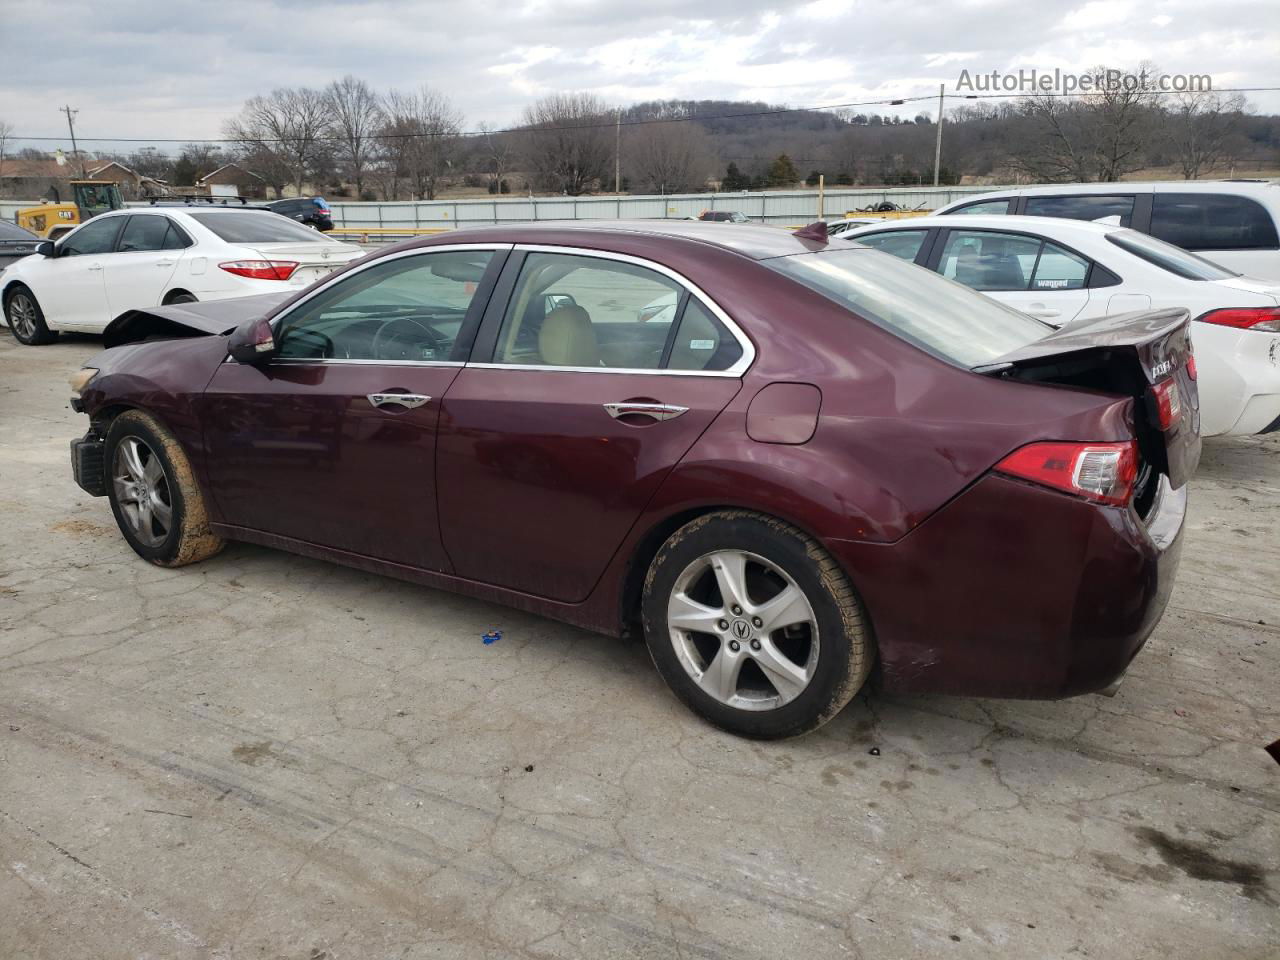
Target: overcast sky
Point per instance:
(179, 69)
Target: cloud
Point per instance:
(179, 69)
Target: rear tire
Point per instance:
(754, 625)
(153, 493)
(25, 318)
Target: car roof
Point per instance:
(1057, 226)
(757, 241)
(1270, 188)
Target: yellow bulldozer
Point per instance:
(88, 199)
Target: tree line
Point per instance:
(347, 139)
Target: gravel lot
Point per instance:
(264, 756)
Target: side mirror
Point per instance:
(252, 342)
(46, 248)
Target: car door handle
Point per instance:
(658, 411)
(1040, 310)
(94, 266)
(408, 400)
(165, 263)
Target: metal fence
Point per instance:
(784, 208)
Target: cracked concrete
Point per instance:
(266, 756)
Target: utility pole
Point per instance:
(74, 149)
(937, 147)
(617, 153)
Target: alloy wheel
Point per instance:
(142, 491)
(743, 630)
(22, 316)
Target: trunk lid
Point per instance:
(1263, 289)
(1144, 355)
(315, 260)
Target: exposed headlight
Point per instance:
(80, 379)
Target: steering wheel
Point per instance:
(404, 343)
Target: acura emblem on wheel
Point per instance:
(741, 629)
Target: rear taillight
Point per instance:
(1266, 319)
(1102, 472)
(1168, 403)
(261, 269)
(1191, 365)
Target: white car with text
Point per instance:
(146, 256)
(1060, 271)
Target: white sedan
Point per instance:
(1066, 270)
(147, 256)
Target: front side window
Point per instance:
(903, 244)
(984, 207)
(256, 226)
(570, 310)
(96, 236)
(1083, 206)
(1212, 221)
(1168, 257)
(943, 318)
(406, 309)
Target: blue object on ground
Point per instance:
(492, 637)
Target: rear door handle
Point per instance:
(407, 400)
(1040, 310)
(94, 266)
(165, 263)
(658, 411)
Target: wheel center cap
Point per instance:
(740, 629)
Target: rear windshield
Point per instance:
(943, 317)
(1168, 257)
(256, 226)
(9, 231)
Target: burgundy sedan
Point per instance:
(780, 460)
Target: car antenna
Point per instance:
(816, 231)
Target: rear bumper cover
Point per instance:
(1015, 591)
(88, 465)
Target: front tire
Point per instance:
(25, 318)
(754, 625)
(153, 493)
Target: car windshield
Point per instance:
(10, 231)
(943, 317)
(257, 226)
(1168, 257)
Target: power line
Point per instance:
(613, 123)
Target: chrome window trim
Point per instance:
(739, 367)
(416, 251)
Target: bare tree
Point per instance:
(420, 137)
(6, 134)
(356, 117)
(496, 150)
(284, 128)
(1098, 136)
(669, 157)
(569, 141)
(1199, 127)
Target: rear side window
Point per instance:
(1212, 221)
(986, 260)
(256, 226)
(903, 244)
(1168, 257)
(942, 318)
(984, 206)
(144, 232)
(1083, 207)
(702, 342)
